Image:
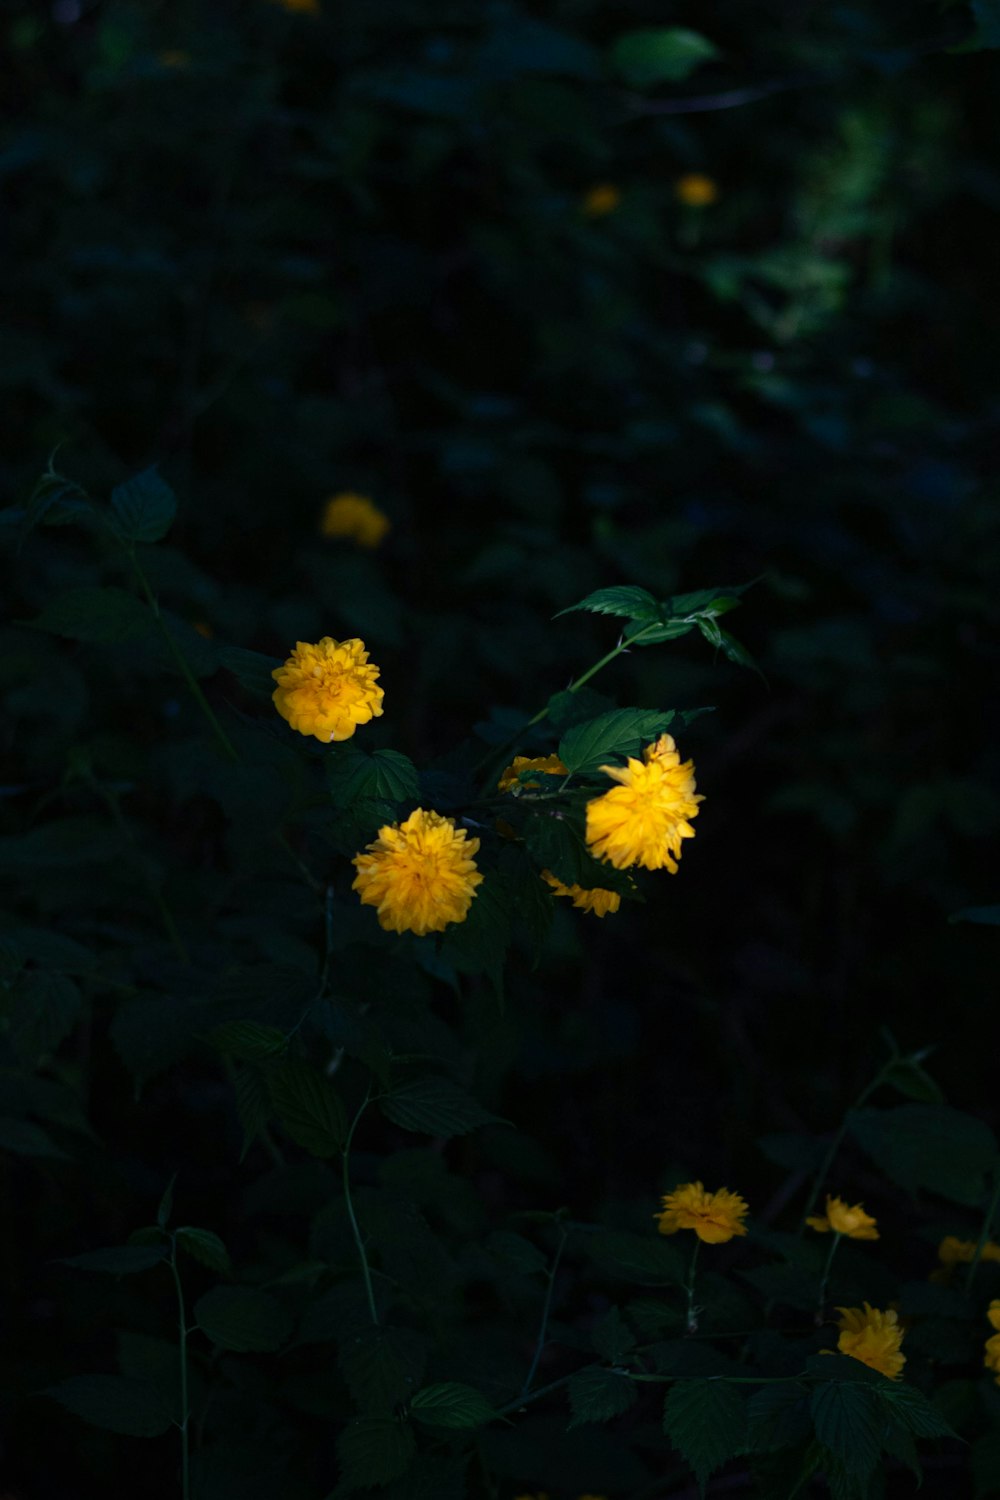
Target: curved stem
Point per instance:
(546, 1310)
(355, 1227)
(185, 1410)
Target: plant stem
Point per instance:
(837, 1142)
(355, 1227)
(692, 1311)
(546, 1310)
(185, 1411)
(984, 1233)
(825, 1278)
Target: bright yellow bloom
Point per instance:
(952, 1251)
(853, 1223)
(643, 819)
(549, 765)
(993, 1313)
(327, 690)
(695, 190)
(419, 875)
(355, 517)
(595, 899)
(714, 1217)
(600, 200)
(872, 1336)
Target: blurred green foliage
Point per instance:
(443, 255)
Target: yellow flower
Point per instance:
(695, 190)
(714, 1217)
(872, 1336)
(327, 690)
(356, 517)
(594, 899)
(301, 7)
(952, 1251)
(993, 1313)
(600, 200)
(991, 1356)
(549, 765)
(174, 58)
(853, 1223)
(643, 819)
(419, 875)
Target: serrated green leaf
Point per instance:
(779, 1416)
(248, 1041)
(132, 1407)
(929, 1146)
(557, 842)
(911, 1409)
(144, 507)
(660, 54)
(44, 1010)
(373, 1452)
(624, 599)
(848, 1420)
(253, 1105)
(242, 1319)
(612, 1337)
(597, 1395)
(643, 633)
(384, 776)
(624, 731)
(479, 944)
(205, 1247)
(383, 1367)
(96, 614)
(119, 1260)
(434, 1106)
(634, 1258)
(706, 1422)
(251, 669)
(451, 1404)
(308, 1107)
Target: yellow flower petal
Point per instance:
(548, 765)
(714, 1217)
(841, 1218)
(643, 819)
(328, 689)
(354, 517)
(420, 875)
(594, 899)
(695, 190)
(873, 1337)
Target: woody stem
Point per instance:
(692, 1314)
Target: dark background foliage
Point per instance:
(285, 254)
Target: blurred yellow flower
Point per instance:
(327, 690)
(873, 1337)
(600, 200)
(356, 517)
(952, 1251)
(594, 899)
(643, 820)
(420, 875)
(174, 57)
(695, 190)
(991, 1355)
(301, 7)
(203, 628)
(549, 765)
(853, 1223)
(714, 1217)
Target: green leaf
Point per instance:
(248, 1041)
(96, 614)
(119, 1260)
(848, 1420)
(706, 1422)
(384, 776)
(166, 1204)
(243, 1319)
(911, 1408)
(24, 1138)
(144, 507)
(451, 1404)
(612, 1337)
(519, 1253)
(911, 1079)
(929, 1146)
(434, 1106)
(382, 1367)
(661, 54)
(987, 916)
(253, 1105)
(479, 944)
(597, 1395)
(635, 1258)
(779, 1416)
(205, 1247)
(373, 1452)
(44, 1010)
(251, 669)
(622, 732)
(309, 1108)
(626, 600)
(132, 1407)
(556, 841)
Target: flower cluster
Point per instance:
(327, 690)
(354, 517)
(714, 1217)
(852, 1223)
(873, 1337)
(420, 875)
(643, 819)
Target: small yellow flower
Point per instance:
(355, 517)
(853, 1223)
(952, 1251)
(600, 200)
(327, 690)
(203, 628)
(301, 7)
(174, 57)
(420, 875)
(695, 190)
(594, 899)
(643, 820)
(993, 1313)
(873, 1337)
(549, 765)
(714, 1217)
